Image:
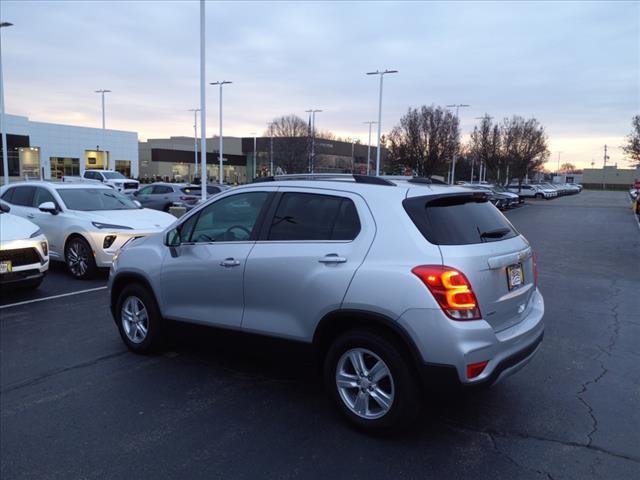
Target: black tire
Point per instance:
(154, 338)
(539, 196)
(79, 258)
(406, 392)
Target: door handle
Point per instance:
(332, 258)
(230, 262)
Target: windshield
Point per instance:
(91, 199)
(114, 175)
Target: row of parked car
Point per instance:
(513, 194)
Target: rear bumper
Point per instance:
(447, 346)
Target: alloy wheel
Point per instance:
(78, 258)
(135, 319)
(365, 383)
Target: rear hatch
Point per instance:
(476, 239)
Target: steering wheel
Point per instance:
(229, 232)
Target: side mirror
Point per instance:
(136, 193)
(4, 208)
(138, 204)
(48, 207)
(173, 238)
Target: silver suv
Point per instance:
(400, 287)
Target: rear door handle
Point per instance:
(229, 262)
(332, 258)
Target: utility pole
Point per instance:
(221, 146)
(369, 145)
(312, 158)
(203, 108)
(270, 148)
(382, 74)
(559, 162)
(455, 154)
(353, 157)
(255, 154)
(606, 157)
(195, 139)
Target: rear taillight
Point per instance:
(187, 198)
(451, 289)
(535, 270)
(475, 369)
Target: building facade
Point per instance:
(50, 150)
(610, 177)
(174, 158)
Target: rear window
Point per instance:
(458, 219)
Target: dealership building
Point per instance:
(50, 150)
(174, 158)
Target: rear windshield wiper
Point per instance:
(497, 233)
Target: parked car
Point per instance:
(85, 224)
(24, 251)
(538, 190)
(111, 178)
(501, 199)
(397, 287)
(161, 196)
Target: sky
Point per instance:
(575, 66)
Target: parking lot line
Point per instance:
(53, 297)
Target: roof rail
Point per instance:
(327, 176)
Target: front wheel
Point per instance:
(370, 381)
(79, 259)
(138, 319)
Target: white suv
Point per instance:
(114, 179)
(396, 286)
(85, 223)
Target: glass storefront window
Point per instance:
(124, 167)
(64, 167)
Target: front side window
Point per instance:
(146, 190)
(92, 199)
(41, 196)
(162, 189)
(309, 216)
(231, 219)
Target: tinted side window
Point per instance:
(231, 219)
(458, 220)
(146, 190)
(308, 216)
(42, 195)
(162, 189)
(6, 196)
(23, 196)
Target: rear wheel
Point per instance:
(79, 258)
(370, 381)
(138, 319)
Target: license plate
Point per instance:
(515, 276)
(5, 267)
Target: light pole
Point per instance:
(455, 154)
(369, 145)
(102, 91)
(5, 158)
(559, 162)
(353, 157)
(221, 152)
(382, 74)
(270, 126)
(255, 154)
(313, 138)
(195, 139)
(203, 109)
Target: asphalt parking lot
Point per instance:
(76, 404)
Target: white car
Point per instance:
(533, 191)
(111, 178)
(24, 251)
(85, 224)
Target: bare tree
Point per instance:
(524, 147)
(484, 146)
(632, 147)
(290, 143)
(425, 140)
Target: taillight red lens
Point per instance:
(475, 369)
(451, 289)
(535, 270)
(187, 198)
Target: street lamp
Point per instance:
(104, 147)
(382, 74)
(270, 126)
(313, 138)
(455, 154)
(559, 163)
(255, 154)
(203, 109)
(5, 158)
(369, 145)
(353, 157)
(220, 84)
(195, 139)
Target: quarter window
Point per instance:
(230, 219)
(309, 216)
